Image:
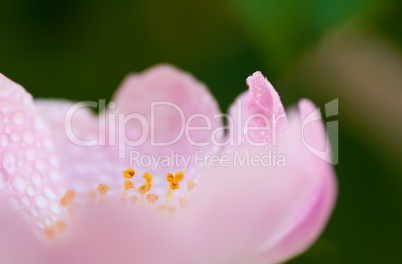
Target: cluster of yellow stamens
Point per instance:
(68, 201)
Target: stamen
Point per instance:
(129, 173)
(173, 184)
(92, 196)
(143, 189)
(160, 208)
(50, 233)
(55, 229)
(102, 189)
(134, 199)
(169, 177)
(191, 185)
(152, 198)
(128, 185)
(171, 209)
(178, 176)
(147, 177)
(183, 202)
(68, 198)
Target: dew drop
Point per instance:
(48, 191)
(3, 140)
(47, 143)
(3, 178)
(28, 136)
(18, 118)
(34, 212)
(15, 137)
(9, 161)
(26, 99)
(30, 154)
(40, 165)
(30, 190)
(39, 123)
(55, 207)
(19, 183)
(25, 200)
(54, 175)
(4, 105)
(36, 178)
(40, 201)
(40, 222)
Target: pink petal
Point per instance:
(18, 243)
(109, 234)
(29, 169)
(85, 162)
(266, 214)
(184, 94)
(314, 214)
(238, 209)
(260, 107)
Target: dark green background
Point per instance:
(82, 50)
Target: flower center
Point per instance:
(141, 197)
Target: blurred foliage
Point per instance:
(283, 29)
(82, 49)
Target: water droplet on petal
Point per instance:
(55, 207)
(40, 201)
(4, 178)
(4, 105)
(15, 137)
(3, 140)
(18, 118)
(28, 136)
(30, 190)
(39, 123)
(25, 200)
(9, 161)
(19, 183)
(30, 154)
(40, 165)
(48, 191)
(36, 178)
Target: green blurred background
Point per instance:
(323, 50)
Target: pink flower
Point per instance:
(61, 183)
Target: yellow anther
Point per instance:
(134, 198)
(129, 173)
(178, 176)
(68, 198)
(169, 177)
(56, 228)
(50, 232)
(102, 189)
(151, 198)
(160, 208)
(147, 177)
(60, 226)
(128, 185)
(171, 209)
(183, 202)
(191, 185)
(146, 187)
(174, 185)
(92, 196)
